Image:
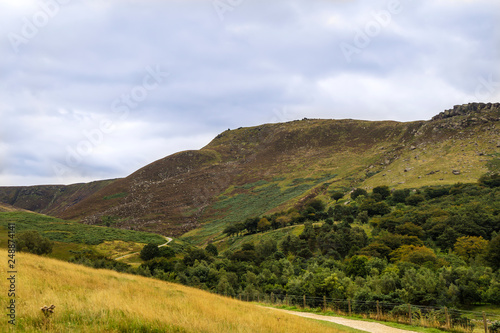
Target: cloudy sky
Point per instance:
(97, 89)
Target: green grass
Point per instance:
(115, 196)
(72, 232)
(256, 200)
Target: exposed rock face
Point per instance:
(467, 109)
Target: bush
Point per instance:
(415, 199)
(33, 242)
(357, 192)
(149, 251)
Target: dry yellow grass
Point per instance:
(90, 300)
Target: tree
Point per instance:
(415, 199)
(410, 229)
(357, 192)
(337, 196)
(493, 256)
(469, 247)
(399, 196)
(149, 251)
(263, 224)
(166, 252)
(33, 242)
(212, 249)
(231, 230)
(383, 191)
(490, 180)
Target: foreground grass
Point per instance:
(90, 300)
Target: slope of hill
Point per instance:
(90, 300)
(49, 199)
(251, 171)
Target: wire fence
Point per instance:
(418, 315)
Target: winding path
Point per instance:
(168, 239)
(366, 326)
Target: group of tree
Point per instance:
(429, 246)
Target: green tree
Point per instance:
(149, 251)
(493, 254)
(469, 247)
(383, 191)
(337, 196)
(357, 192)
(263, 224)
(212, 249)
(415, 199)
(33, 242)
(231, 230)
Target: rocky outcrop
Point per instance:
(467, 110)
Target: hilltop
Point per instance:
(252, 171)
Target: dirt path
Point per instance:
(168, 239)
(366, 326)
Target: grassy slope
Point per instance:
(89, 300)
(72, 236)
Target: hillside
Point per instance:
(49, 199)
(252, 171)
(90, 300)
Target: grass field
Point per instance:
(73, 232)
(90, 300)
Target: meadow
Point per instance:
(90, 300)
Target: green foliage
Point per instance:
(149, 251)
(493, 254)
(383, 191)
(31, 241)
(490, 180)
(337, 196)
(72, 232)
(212, 249)
(415, 199)
(115, 196)
(358, 192)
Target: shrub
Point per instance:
(149, 251)
(33, 242)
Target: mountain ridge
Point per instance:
(177, 193)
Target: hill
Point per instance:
(49, 199)
(90, 300)
(253, 171)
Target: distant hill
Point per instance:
(49, 199)
(251, 171)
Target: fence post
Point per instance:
(409, 313)
(378, 311)
(448, 326)
(349, 302)
(304, 301)
(258, 298)
(324, 303)
(287, 302)
(272, 297)
(485, 323)
(240, 297)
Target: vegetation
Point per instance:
(72, 232)
(87, 300)
(441, 251)
(32, 242)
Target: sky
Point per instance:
(94, 90)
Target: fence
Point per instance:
(425, 316)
